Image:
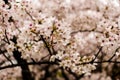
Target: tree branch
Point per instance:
(29, 63)
(97, 54)
(46, 44)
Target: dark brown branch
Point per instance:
(7, 58)
(45, 57)
(114, 54)
(6, 38)
(47, 73)
(46, 44)
(6, 1)
(29, 15)
(1, 63)
(26, 74)
(29, 63)
(2, 51)
(64, 74)
(97, 54)
(117, 62)
(74, 32)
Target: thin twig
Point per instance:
(29, 15)
(46, 44)
(114, 54)
(99, 62)
(7, 40)
(45, 57)
(7, 58)
(97, 54)
(74, 32)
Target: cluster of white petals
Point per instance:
(73, 30)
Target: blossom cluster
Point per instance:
(70, 34)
